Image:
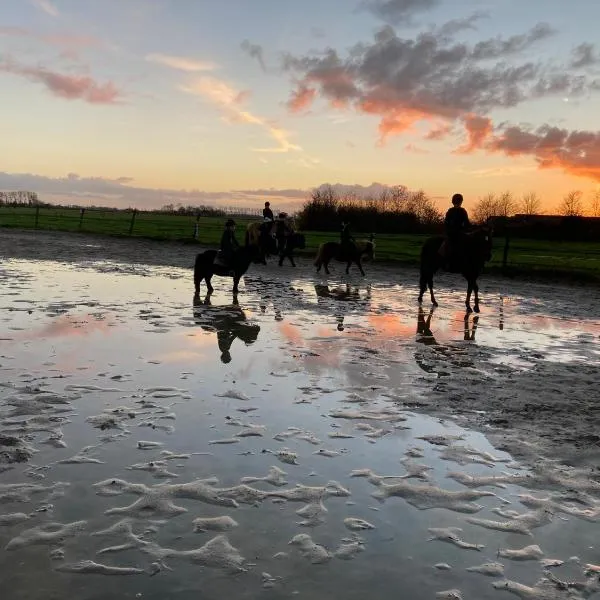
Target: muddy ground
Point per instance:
(547, 407)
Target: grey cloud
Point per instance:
(584, 55)
(433, 76)
(454, 26)
(118, 192)
(398, 11)
(254, 51)
(498, 47)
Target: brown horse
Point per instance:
(329, 251)
(476, 251)
(260, 235)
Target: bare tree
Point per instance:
(530, 204)
(595, 204)
(485, 208)
(505, 205)
(571, 204)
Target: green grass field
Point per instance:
(579, 261)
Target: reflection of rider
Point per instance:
(228, 243)
(229, 325)
(456, 224)
(346, 240)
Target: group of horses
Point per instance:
(476, 250)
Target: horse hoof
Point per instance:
(420, 300)
(476, 308)
(434, 303)
(469, 310)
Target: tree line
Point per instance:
(19, 197)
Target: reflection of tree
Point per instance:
(228, 322)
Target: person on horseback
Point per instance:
(228, 245)
(456, 225)
(282, 231)
(267, 212)
(347, 244)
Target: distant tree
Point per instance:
(505, 205)
(595, 204)
(530, 204)
(485, 208)
(571, 205)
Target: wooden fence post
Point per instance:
(132, 220)
(37, 217)
(197, 227)
(81, 213)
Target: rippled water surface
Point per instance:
(125, 401)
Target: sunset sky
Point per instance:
(149, 102)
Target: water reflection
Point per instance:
(229, 323)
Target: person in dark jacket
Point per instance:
(456, 225)
(267, 212)
(282, 231)
(228, 244)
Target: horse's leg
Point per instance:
(348, 267)
(359, 263)
(209, 286)
(236, 281)
(291, 257)
(469, 292)
(476, 290)
(430, 284)
(326, 265)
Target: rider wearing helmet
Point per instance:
(347, 244)
(267, 212)
(228, 244)
(282, 231)
(456, 225)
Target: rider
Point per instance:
(228, 244)
(267, 212)
(282, 231)
(346, 240)
(456, 225)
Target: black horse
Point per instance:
(294, 241)
(329, 251)
(204, 267)
(229, 323)
(476, 251)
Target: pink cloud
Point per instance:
(69, 87)
(478, 129)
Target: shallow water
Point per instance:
(97, 357)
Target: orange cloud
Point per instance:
(479, 130)
(230, 100)
(301, 98)
(68, 87)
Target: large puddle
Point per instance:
(157, 446)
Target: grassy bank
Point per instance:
(538, 258)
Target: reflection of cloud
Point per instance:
(70, 326)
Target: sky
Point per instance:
(144, 103)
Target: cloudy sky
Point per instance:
(147, 102)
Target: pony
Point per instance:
(294, 240)
(204, 267)
(476, 251)
(259, 234)
(332, 250)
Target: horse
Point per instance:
(333, 250)
(259, 234)
(476, 251)
(204, 267)
(293, 241)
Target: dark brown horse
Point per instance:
(204, 268)
(476, 251)
(294, 241)
(333, 250)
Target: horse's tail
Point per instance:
(319, 259)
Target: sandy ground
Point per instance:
(550, 410)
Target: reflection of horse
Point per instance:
(339, 293)
(229, 322)
(424, 333)
(205, 268)
(470, 330)
(329, 251)
(260, 235)
(293, 241)
(476, 251)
